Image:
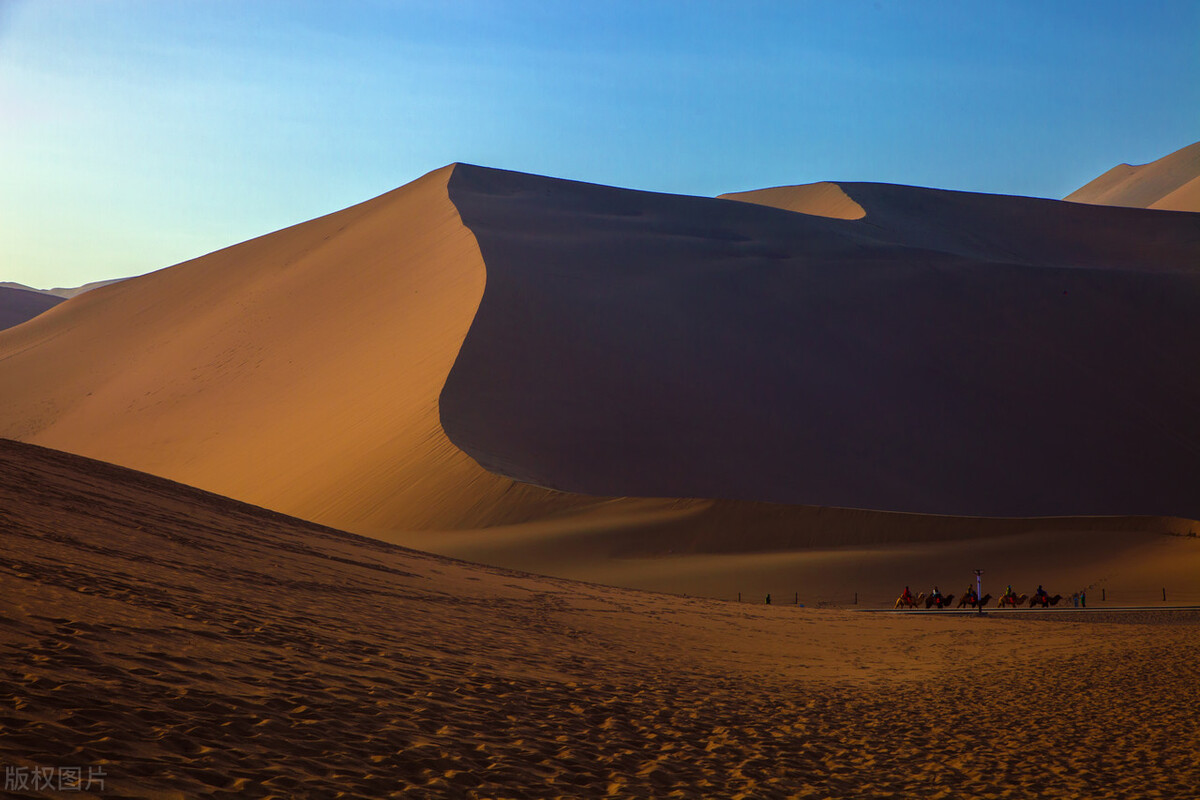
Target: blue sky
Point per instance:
(138, 133)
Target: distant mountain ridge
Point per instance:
(65, 293)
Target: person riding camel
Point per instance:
(969, 596)
(936, 597)
(1041, 596)
(908, 598)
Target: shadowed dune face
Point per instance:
(950, 353)
(185, 645)
(19, 305)
(1172, 183)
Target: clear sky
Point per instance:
(135, 134)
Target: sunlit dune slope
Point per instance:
(18, 305)
(950, 353)
(1171, 183)
(299, 370)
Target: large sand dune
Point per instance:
(19, 305)
(1171, 183)
(947, 353)
(169, 642)
(299, 371)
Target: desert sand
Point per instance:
(1171, 183)
(183, 644)
(19, 305)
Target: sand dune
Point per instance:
(170, 642)
(1171, 183)
(819, 199)
(648, 366)
(950, 353)
(18, 305)
(257, 372)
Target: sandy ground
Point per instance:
(1171, 183)
(187, 645)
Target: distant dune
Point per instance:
(819, 199)
(1171, 183)
(19, 305)
(639, 360)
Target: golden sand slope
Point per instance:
(181, 644)
(18, 305)
(299, 371)
(1171, 183)
(821, 199)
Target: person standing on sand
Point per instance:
(768, 599)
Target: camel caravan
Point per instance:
(970, 599)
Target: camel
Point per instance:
(1015, 601)
(1049, 601)
(966, 601)
(946, 600)
(902, 603)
